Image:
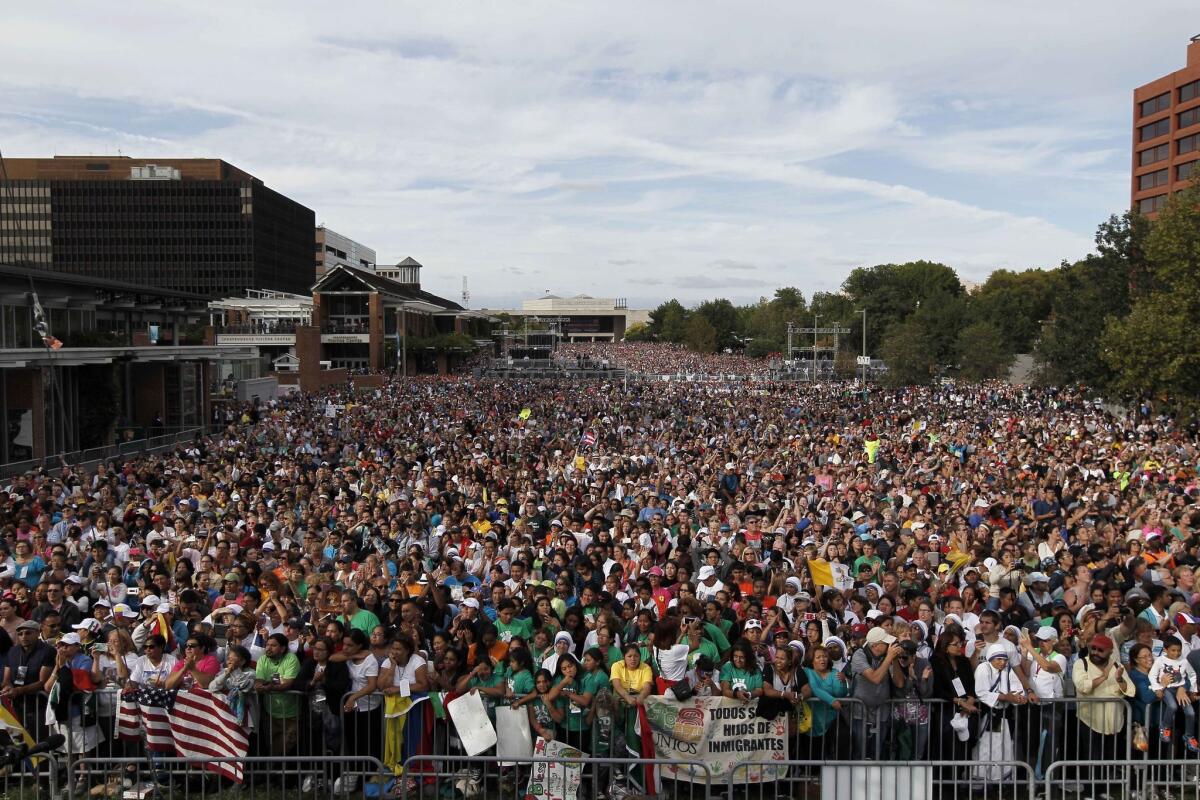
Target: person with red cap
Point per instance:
(1100, 684)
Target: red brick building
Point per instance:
(1166, 134)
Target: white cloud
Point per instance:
(617, 145)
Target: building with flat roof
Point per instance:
(1166, 134)
(200, 226)
(334, 249)
(582, 318)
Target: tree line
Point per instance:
(1122, 320)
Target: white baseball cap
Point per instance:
(877, 635)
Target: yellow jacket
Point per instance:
(1101, 707)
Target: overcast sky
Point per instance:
(643, 149)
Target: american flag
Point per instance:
(195, 724)
(589, 439)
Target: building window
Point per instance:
(1152, 180)
(1189, 117)
(1156, 104)
(1184, 171)
(1152, 155)
(1151, 204)
(97, 167)
(1155, 129)
(1188, 144)
(1189, 91)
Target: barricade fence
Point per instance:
(315, 736)
(551, 777)
(164, 777)
(35, 779)
(881, 780)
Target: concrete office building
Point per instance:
(334, 250)
(1166, 134)
(199, 226)
(582, 318)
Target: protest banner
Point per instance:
(554, 781)
(719, 733)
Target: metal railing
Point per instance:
(1177, 778)
(262, 328)
(882, 780)
(89, 458)
(32, 781)
(518, 778)
(317, 739)
(265, 776)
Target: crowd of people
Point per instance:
(964, 572)
(664, 358)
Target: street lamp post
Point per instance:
(864, 353)
(816, 320)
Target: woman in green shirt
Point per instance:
(698, 645)
(740, 677)
(640, 633)
(594, 677)
(605, 643)
(486, 680)
(546, 712)
(575, 730)
(519, 688)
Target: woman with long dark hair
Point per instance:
(954, 695)
(362, 709)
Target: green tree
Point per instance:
(724, 319)
(906, 352)
(1015, 303)
(983, 352)
(890, 293)
(700, 336)
(638, 332)
(1155, 350)
(668, 320)
(1087, 294)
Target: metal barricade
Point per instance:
(831, 737)
(883, 780)
(32, 779)
(1146, 779)
(289, 724)
(1036, 734)
(517, 778)
(171, 777)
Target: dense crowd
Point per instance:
(919, 573)
(664, 358)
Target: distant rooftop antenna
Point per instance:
(466, 294)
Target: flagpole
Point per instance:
(55, 391)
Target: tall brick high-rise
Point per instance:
(1166, 134)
